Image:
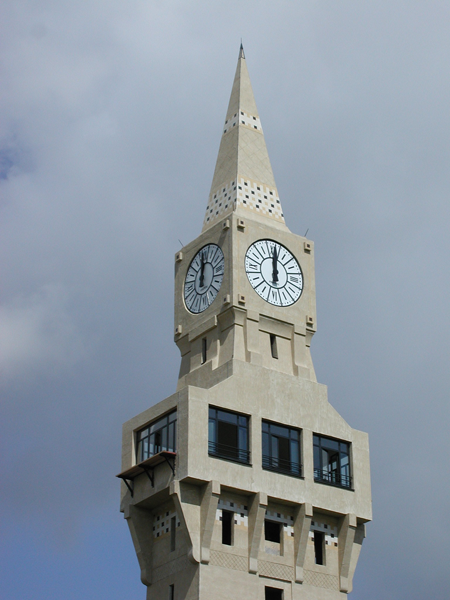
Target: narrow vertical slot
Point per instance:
(319, 547)
(227, 527)
(173, 533)
(273, 345)
(172, 592)
(204, 350)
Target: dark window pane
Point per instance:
(212, 431)
(295, 454)
(273, 594)
(158, 424)
(227, 417)
(227, 434)
(212, 413)
(284, 453)
(279, 431)
(243, 438)
(330, 444)
(171, 447)
(164, 438)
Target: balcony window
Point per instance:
(156, 437)
(228, 435)
(332, 461)
(281, 449)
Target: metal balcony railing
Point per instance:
(280, 465)
(229, 452)
(333, 478)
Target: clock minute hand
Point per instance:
(274, 266)
(202, 271)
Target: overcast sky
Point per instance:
(111, 114)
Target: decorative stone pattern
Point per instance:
(259, 198)
(161, 523)
(323, 580)
(221, 201)
(287, 520)
(242, 118)
(275, 571)
(331, 537)
(228, 561)
(240, 511)
(247, 194)
(170, 568)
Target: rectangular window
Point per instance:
(172, 592)
(272, 531)
(281, 449)
(228, 435)
(204, 350)
(173, 533)
(273, 593)
(319, 547)
(156, 437)
(332, 461)
(227, 527)
(273, 346)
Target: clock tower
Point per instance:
(246, 482)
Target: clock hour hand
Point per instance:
(274, 266)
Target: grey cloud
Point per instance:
(111, 118)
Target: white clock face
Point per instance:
(274, 273)
(204, 278)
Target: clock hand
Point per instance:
(202, 271)
(274, 266)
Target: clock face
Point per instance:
(204, 278)
(274, 273)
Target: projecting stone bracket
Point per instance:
(351, 536)
(302, 525)
(256, 516)
(140, 523)
(187, 503)
(208, 510)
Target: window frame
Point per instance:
(164, 432)
(241, 453)
(272, 463)
(341, 476)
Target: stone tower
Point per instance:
(245, 483)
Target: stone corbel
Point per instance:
(188, 507)
(351, 536)
(208, 517)
(140, 523)
(302, 525)
(256, 516)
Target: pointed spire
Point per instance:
(243, 181)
